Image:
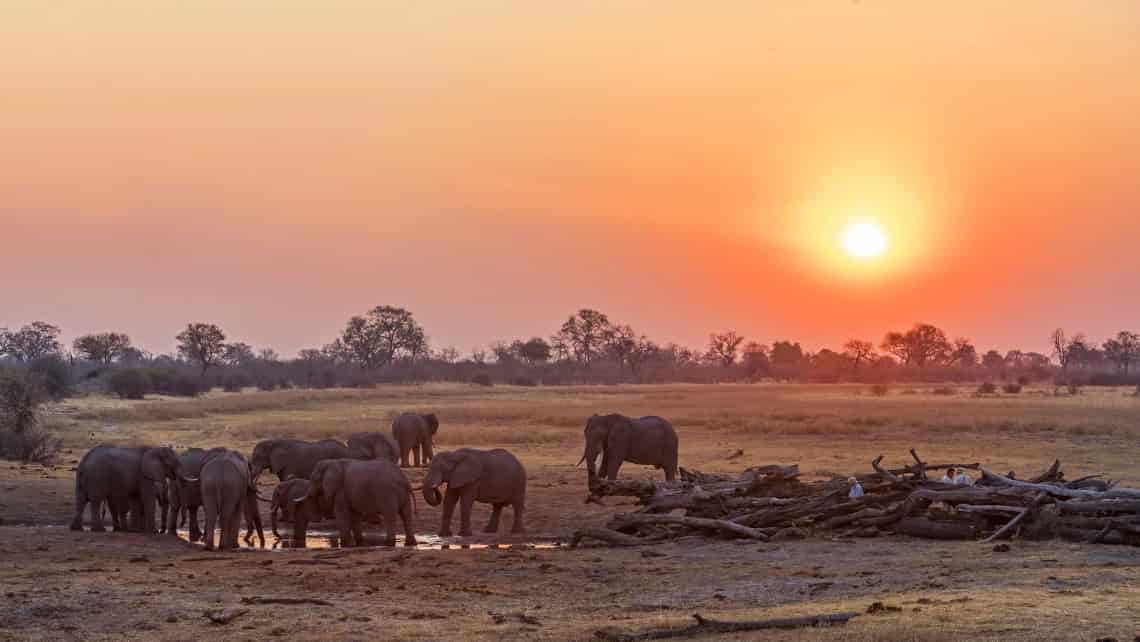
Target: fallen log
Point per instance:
(706, 626)
(1099, 506)
(936, 529)
(1061, 491)
(257, 599)
(606, 535)
(621, 522)
(1008, 528)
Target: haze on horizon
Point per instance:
(276, 167)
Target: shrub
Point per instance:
(33, 445)
(945, 391)
(1023, 380)
(165, 381)
(1011, 388)
(52, 375)
(235, 382)
(482, 379)
(131, 383)
(285, 384)
(524, 381)
(326, 379)
(19, 437)
(987, 388)
(879, 389)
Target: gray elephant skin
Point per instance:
(414, 434)
(186, 497)
(292, 458)
(123, 478)
(296, 504)
(227, 494)
(494, 477)
(373, 445)
(356, 489)
(650, 441)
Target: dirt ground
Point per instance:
(59, 584)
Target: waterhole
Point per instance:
(315, 538)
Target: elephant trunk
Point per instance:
(591, 459)
(432, 495)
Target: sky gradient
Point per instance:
(493, 166)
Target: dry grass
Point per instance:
(1044, 591)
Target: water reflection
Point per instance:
(323, 539)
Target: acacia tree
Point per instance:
(35, 340)
(921, 345)
(584, 333)
(964, 353)
(858, 352)
(238, 354)
(723, 347)
(102, 347)
(385, 332)
(620, 342)
(533, 351)
(203, 344)
(755, 359)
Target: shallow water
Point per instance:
(318, 539)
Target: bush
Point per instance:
(987, 388)
(1023, 380)
(52, 375)
(32, 445)
(131, 383)
(879, 390)
(524, 381)
(326, 379)
(1011, 388)
(482, 379)
(19, 437)
(235, 382)
(285, 384)
(944, 391)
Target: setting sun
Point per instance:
(865, 240)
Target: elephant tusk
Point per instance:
(300, 499)
(580, 461)
(190, 480)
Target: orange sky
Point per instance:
(492, 166)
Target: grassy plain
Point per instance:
(67, 585)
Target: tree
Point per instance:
(385, 332)
(503, 353)
(448, 355)
(534, 351)
(1123, 350)
(858, 352)
(103, 347)
(584, 333)
(786, 353)
(203, 344)
(268, 355)
(620, 342)
(755, 359)
(35, 340)
(723, 347)
(993, 360)
(964, 353)
(644, 351)
(238, 354)
(1063, 348)
(919, 346)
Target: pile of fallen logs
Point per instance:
(772, 503)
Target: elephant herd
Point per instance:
(347, 482)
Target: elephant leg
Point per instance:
(518, 509)
(192, 517)
(389, 516)
(81, 504)
(416, 454)
(466, 500)
(356, 520)
(409, 523)
(670, 472)
(343, 522)
(493, 524)
(449, 499)
(300, 525)
(404, 457)
(211, 522)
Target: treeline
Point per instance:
(387, 344)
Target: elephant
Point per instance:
(186, 498)
(289, 458)
(357, 488)
(414, 432)
(124, 478)
(648, 440)
(373, 445)
(228, 493)
(493, 477)
(300, 513)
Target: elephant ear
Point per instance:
(332, 478)
(432, 422)
(620, 430)
(152, 467)
(277, 459)
(467, 471)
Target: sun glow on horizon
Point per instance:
(865, 240)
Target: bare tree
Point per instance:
(448, 355)
(723, 347)
(35, 340)
(203, 344)
(238, 354)
(102, 347)
(858, 352)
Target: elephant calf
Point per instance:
(494, 477)
(300, 513)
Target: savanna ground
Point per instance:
(63, 585)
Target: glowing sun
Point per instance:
(865, 240)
